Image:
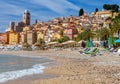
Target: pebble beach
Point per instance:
(71, 67)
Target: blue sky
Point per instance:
(43, 10)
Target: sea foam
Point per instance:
(6, 76)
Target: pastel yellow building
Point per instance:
(13, 37)
(27, 28)
(105, 14)
(40, 35)
(56, 36)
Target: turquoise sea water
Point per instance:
(13, 67)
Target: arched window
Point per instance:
(28, 17)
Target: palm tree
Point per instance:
(81, 36)
(87, 34)
(115, 28)
(104, 33)
(97, 33)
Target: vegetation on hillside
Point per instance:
(63, 39)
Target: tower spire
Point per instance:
(26, 17)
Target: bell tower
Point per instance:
(26, 17)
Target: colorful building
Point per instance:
(31, 37)
(4, 38)
(105, 14)
(56, 35)
(71, 33)
(40, 35)
(23, 36)
(13, 37)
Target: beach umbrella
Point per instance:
(103, 42)
(91, 43)
(117, 41)
(96, 42)
(109, 41)
(87, 43)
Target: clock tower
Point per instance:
(26, 18)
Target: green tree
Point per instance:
(107, 6)
(81, 36)
(118, 17)
(115, 26)
(97, 33)
(81, 12)
(115, 8)
(86, 35)
(41, 41)
(63, 39)
(112, 7)
(96, 10)
(104, 33)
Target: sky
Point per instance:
(44, 10)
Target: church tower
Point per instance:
(26, 17)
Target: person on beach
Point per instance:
(83, 44)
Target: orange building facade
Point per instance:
(14, 37)
(4, 38)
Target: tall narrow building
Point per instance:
(11, 26)
(26, 18)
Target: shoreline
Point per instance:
(44, 64)
(75, 68)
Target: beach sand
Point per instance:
(73, 68)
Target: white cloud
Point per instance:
(7, 8)
(12, 10)
(91, 2)
(58, 6)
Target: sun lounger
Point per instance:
(110, 49)
(113, 49)
(90, 51)
(94, 52)
(86, 50)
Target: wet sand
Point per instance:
(74, 68)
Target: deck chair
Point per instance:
(95, 52)
(90, 51)
(86, 50)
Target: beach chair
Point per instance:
(90, 51)
(112, 49)
(94, 52)
(86, 50)
(116, 49)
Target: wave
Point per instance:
(6, 76)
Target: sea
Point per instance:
(14, 67)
